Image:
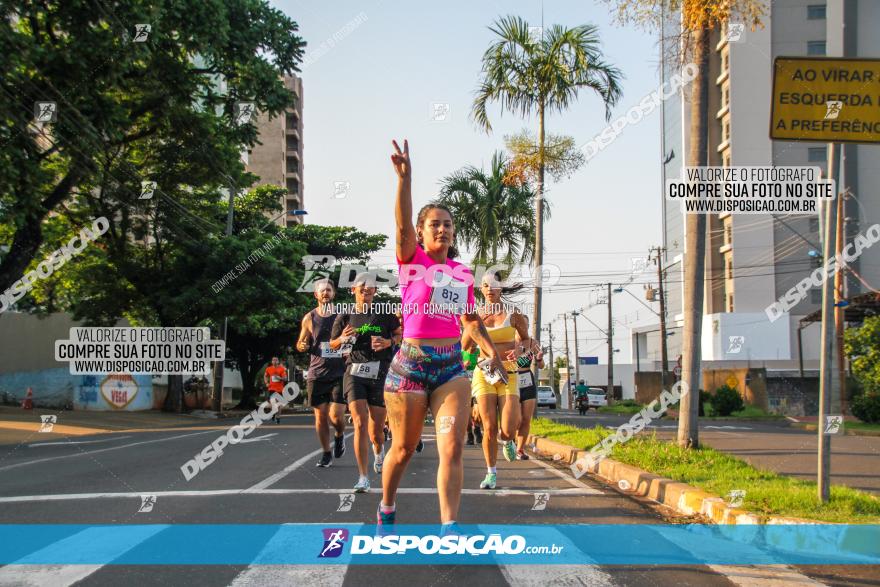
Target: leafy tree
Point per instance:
(862, 346)
(492, 217)
(562, 157)
(542, 75)
(129, 110)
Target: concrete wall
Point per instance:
(751, 384)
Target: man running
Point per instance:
(371, 335)
(324, 381)
(275, 376)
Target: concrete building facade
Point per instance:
(278, 158)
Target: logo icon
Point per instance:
(141, 32)
(341, 189)
(541, 501)
(639, 264)
(735, 31)
(334, 540)
(147, 503)
(243, 112)
(45, 111)
(535, 33)
(735, 498)
(833, 425)
(832, 109)
(735, 344)
(346, 500)
(47, 423)
(439, 111)
(317, 268)
(147, 189)
(445, 424)
(624, 485)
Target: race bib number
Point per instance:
(366, 370)
(452, 297)
(275, 379)
(524, 379)
(328, 353)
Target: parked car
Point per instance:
(597, 397)
(546, 397)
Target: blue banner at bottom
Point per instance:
(352, 544)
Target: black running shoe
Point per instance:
(338, 446)
(326, 459)
(420, 446)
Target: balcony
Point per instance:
(723, 77)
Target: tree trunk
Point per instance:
(694, 252)
(246, 365)
(174, 397)
(539, 231)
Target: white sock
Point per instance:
(387, 509)
(492, 469)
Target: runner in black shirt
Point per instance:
(372, 336)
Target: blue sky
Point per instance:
(379, 82)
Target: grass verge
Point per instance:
(767, 493)
(620, 409)
(747, 413)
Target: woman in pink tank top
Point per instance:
(437, 296)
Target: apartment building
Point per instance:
(278, 158)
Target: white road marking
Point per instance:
(795, 420)
(587, 490)
(87, 549)
(65, 443)
(276, 477)
(279, 547)
(258, 438)
(539, 575)
(294, 491)
(763, 575)
(94, 452)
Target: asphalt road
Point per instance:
(272, 479)
(774, 445)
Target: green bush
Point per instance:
(628, 402)
(705, 397)
(726, 401)
(866, 408)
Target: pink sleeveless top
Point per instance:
(422, 317)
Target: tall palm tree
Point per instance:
(492, 217)
(527, 74)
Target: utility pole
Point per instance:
(567, 361)
(577, 366)
(217, 397)
(826, 364)
(664, 357)
(552, 368)
(840, 283)
(610, 392)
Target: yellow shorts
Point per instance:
(479, 385)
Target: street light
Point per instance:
(296, 212)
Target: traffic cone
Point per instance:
(28, 401)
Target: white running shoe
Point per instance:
(378, 459)
(362, 486)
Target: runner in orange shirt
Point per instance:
(275, 377)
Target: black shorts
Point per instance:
(372, 390)
(529, 391)
(321, 392)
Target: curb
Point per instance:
(681, 497)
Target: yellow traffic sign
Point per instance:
(826, 99)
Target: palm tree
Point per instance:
(698, 19)
(492, 217)
(526, 74)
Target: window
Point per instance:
(292, 144)
(725, 96)
(290, 121)
(729, 269)
(816, 12)
(816, 154)
(815, 47)
(292, 186)
(725, 135)
(728, 237)
(292, 165)
(724, 62)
